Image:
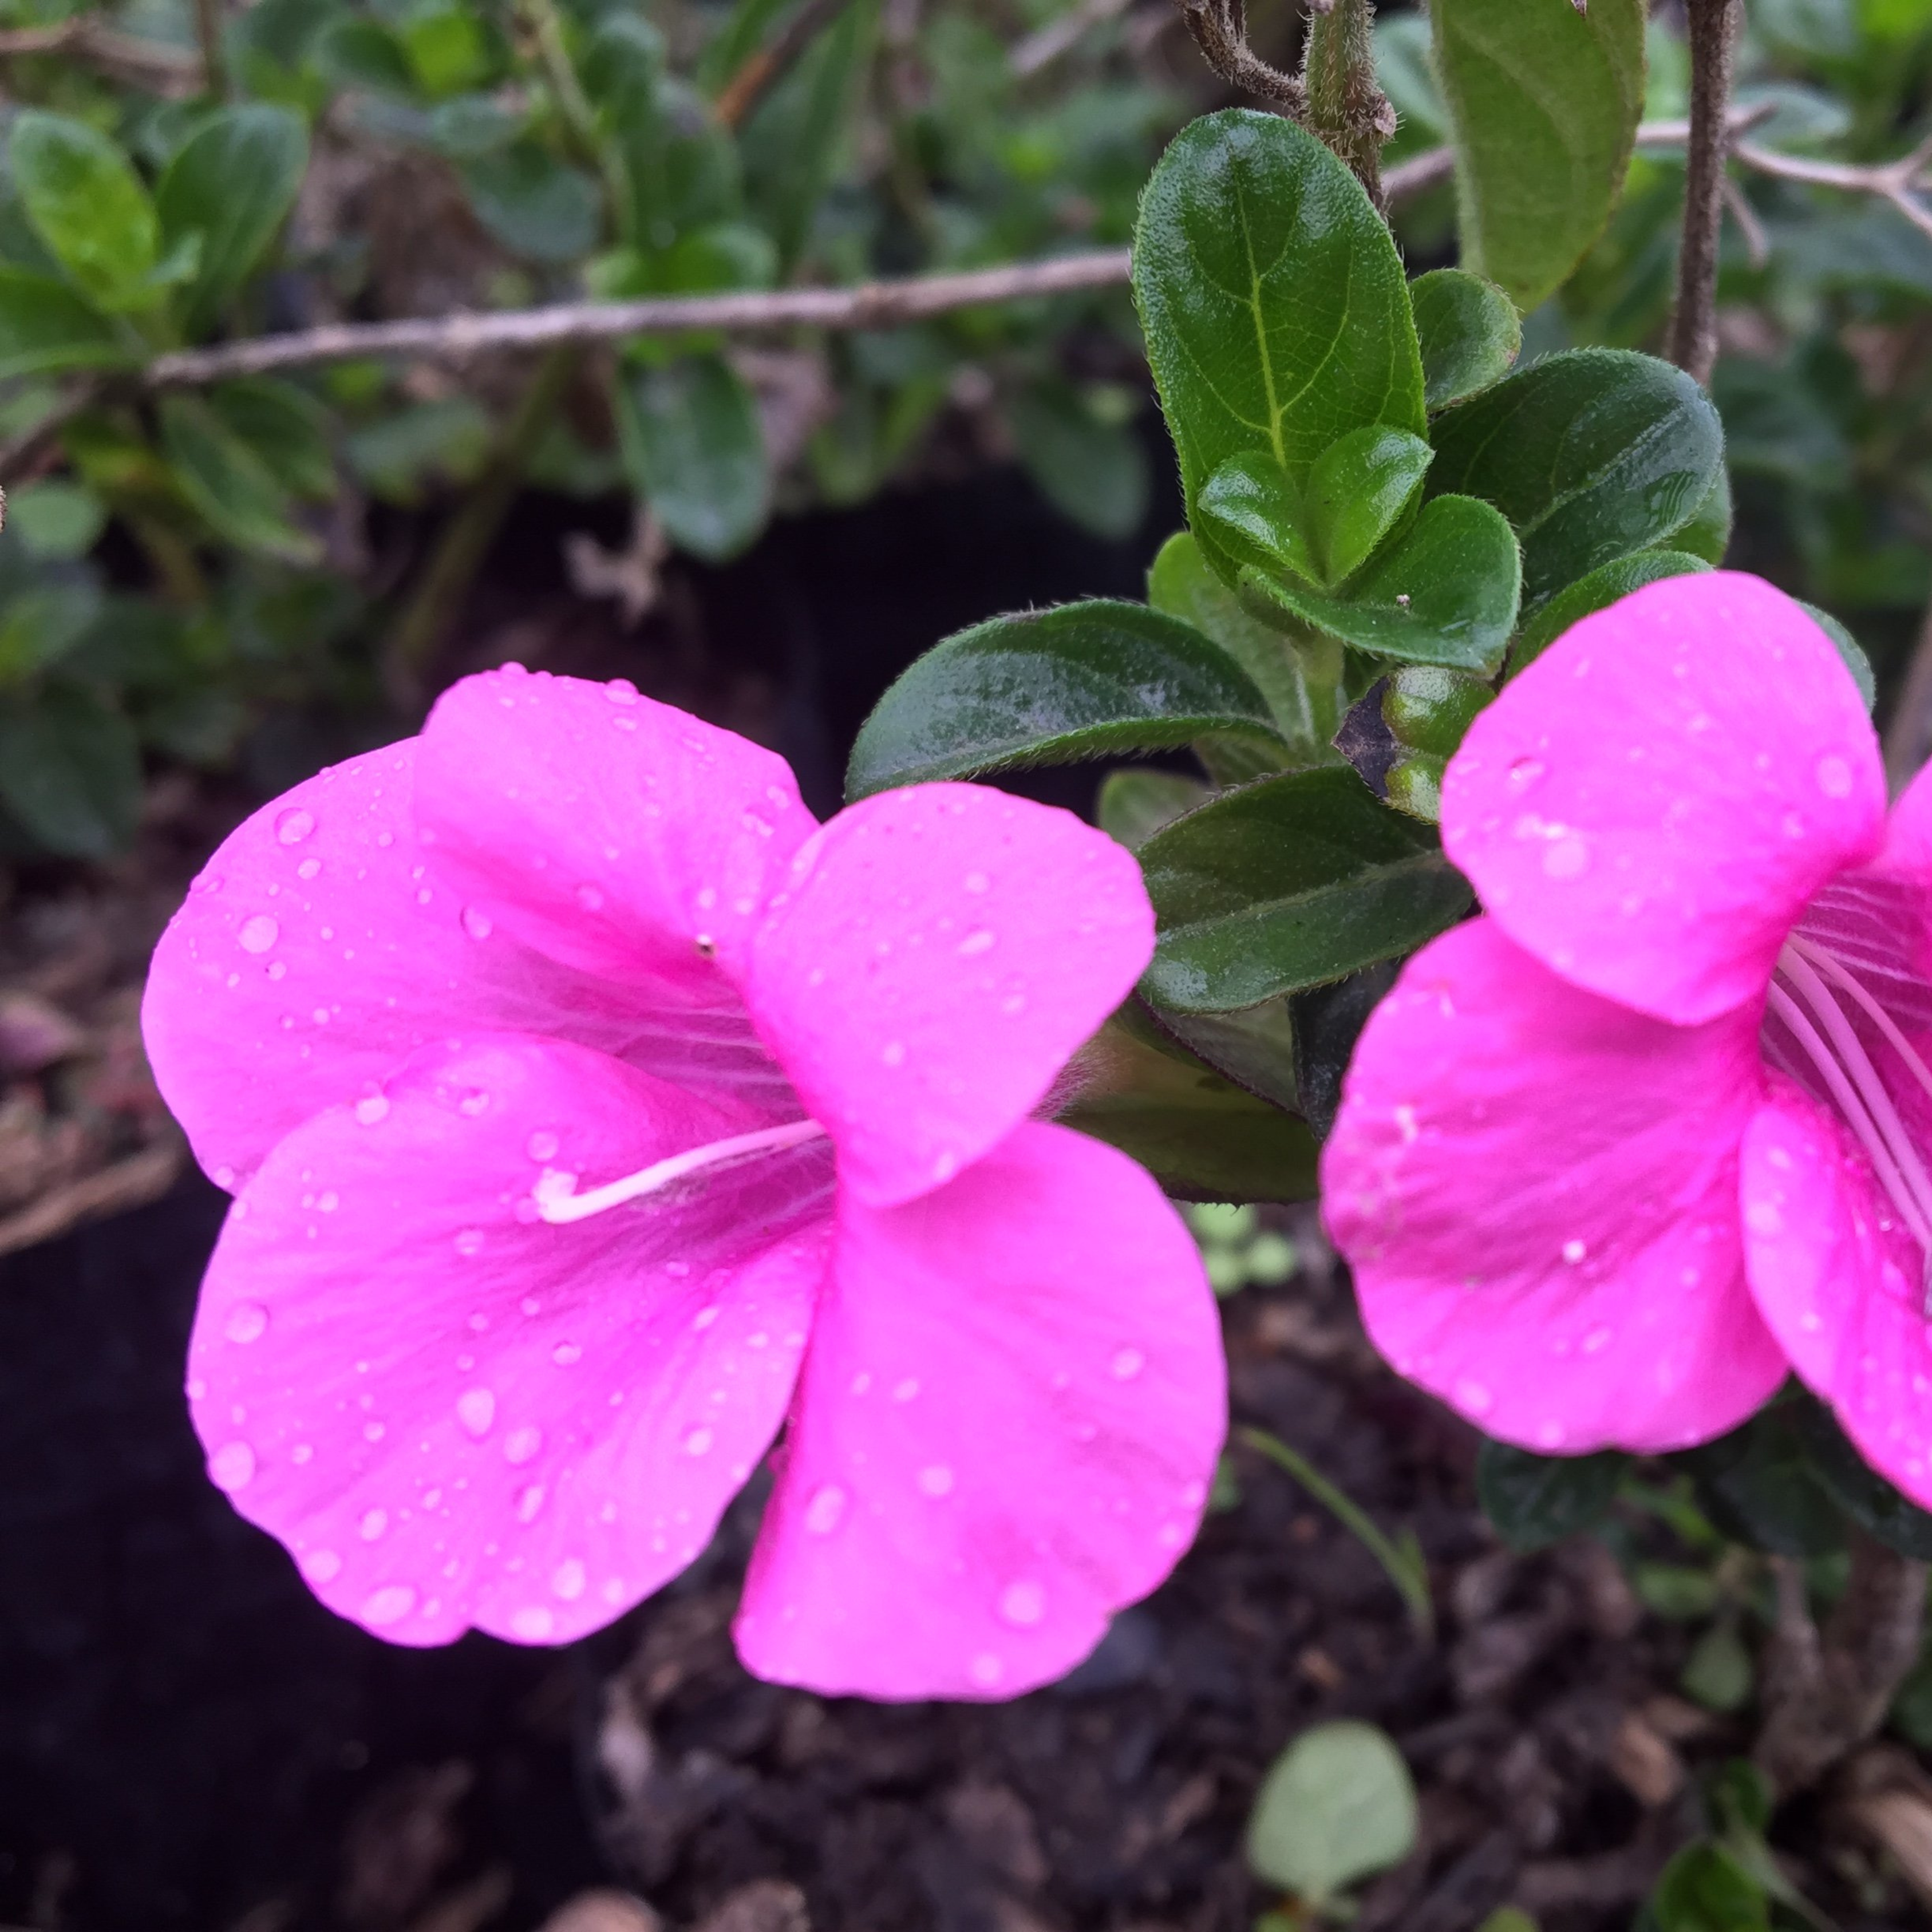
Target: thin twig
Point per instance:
(1060, 35)
(208, 26)
(1220, 31)
(767, 65)
(1713, 26)
(152, 63)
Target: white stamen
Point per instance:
(558, 1203)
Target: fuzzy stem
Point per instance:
(1693, 326)
(1345, 107)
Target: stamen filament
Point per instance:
(1875, 1013)
(559, 1204)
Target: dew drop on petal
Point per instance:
(1022, 1604)
(697, 1441)
(1567, 858)
(321, 1566)
(294, 825)
(1126, 1364)
(985, 1670)
(935, 1479)
(565, 1353)
(247, 1322)
(476, 1409)
(370, 1108)
(1474, 1396)
(904, 1391)
(1573, 1252)
(534, 1623)
(568, 1579)
(893, 1053)
(521, 1444)
(389, 1605)
(373, 1522)
(476, 923)
(529, 1502)
(977, 882)
(469, 1241)
(826, 1510)
(231, 1467)
(975, 943)
(258, 933)
(1835, 776)
(1762, 1217)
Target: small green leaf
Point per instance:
(1360, 484)
(1544, 100)
(534, 204)
(1328, 1021)
(1201, 1137)
(1050, 687)
(1255, 1049)
(1446, 594)
(356, 52)
(286, 427)
(86, 203)
(1758, 1485)
(1273, 301)
(1286, 883)
(54, 520)
(1093, 471)
(1705, 1889)
(1871, 1501)
(1717, 1673)
(1535, 1500)
(1304, 677)
(1708, 534)
(1849, 649)
(1592, 455)
(1250, 511)
(1133, 805)
(1675, 1591)
(229, 484)
(1470, 334)
(397, 456)
(1598, 591)
(232, 182)
(46, 327)
(1337, 1807)
(696, 453)
(70, 772)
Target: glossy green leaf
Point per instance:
(1337, 1807)
(1470, 334)
(1288, 883)
(1758, 1486)
(1251, 511)
(1272, 299)
(1360, 484)
(1201, 1137)
(1849, 649)
(1871, 1501)
(85, 204)
(696, 454)
(1328, 1021)
(1050, 687)
(1544, 100)
(1708, 534)
(1705, 1889)
(1133, 805)
(45, 327)
(227, 481)
(70, 773)
(231, 183)
(1535, 1500)
(1597, 591)
(1717, 1673)
(1304, 677)
(356, 51)
(1592, 455)
(1255, 1049)
(1446, 593)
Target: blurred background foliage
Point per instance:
(182, 569)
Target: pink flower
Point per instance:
(1660, 1124)
(591, 1114)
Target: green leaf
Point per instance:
(1597, 591)
(1544, 101)
(534, 205)
(45, 327)
(1255, 1049)
(696, 454)
(86, 203)
(1050, 687)
(231, 183)
(229, 484)
(1535, 1500)
(1250, 510)
(1337, 1807)
(54, 520)
(1470, 334)
(1286, 883)
(1849, 649)
(1273, 301)
(1303, 676)
(1445, 594)
(356, 51)
(286, 427)
(1360, 485)
(1705, 1889)
(397, 456)
(1871, 1501)
(1093, 471)
(70, 772)
(1328, 1021)
(1717, 1673)
(1592, 455)
(1133, 805)
(1201, 1137)
(1708, 534)
(1758, 1486)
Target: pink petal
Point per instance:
(458, 1416)
(937, 954)
(616, 834)
(1648, 807)
(1840, 1283)
(1005, 1431)
(1537, 1191)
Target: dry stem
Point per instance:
(1693, 327)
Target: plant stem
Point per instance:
(1346, 109)
(1401, 1563)
(466, 537)
(580, 117)
(767, 65)
(1693, 326)
(208, 24)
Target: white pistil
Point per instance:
(558, 1204)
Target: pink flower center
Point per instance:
(558, 1202)
(1846, 998)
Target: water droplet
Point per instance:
(893, 1053)
(521, 1444)
(826, 1510)
(1597, 1340)
(231, 1467)
(1568, 858)
(258, 933)
(370, 1108)
(389, 1605)
(975, 943)
(476, 923)
(533, 1624)
(293, 826)
(904, 1391)
(1524, 773)
(568, 1579)
(621, 691)
(529, 1501)
(1474, 1396)
(247, 1322)
(373, 1522)
(309, 868)
(321, 1566)
(1023, 1604)
(935, 1479)
(589, 898)
(1762, 1217)
(1834, 777)
(697, 1442)
(1573, 1252)
(476, 1409)
(977, 882)
(469, 1241)
(1127, 1364)
(985, 1670)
